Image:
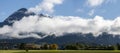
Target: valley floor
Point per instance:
(60, 51)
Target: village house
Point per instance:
(32, 46)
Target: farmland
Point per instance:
(60, 51)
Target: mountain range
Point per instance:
(88, 38)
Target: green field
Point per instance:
(60, 51)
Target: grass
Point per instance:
(60, 51)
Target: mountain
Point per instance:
(88, 38)
(102, 39)
(16, 16)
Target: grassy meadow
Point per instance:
(60, 51)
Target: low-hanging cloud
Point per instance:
(59, 25)
(45, 5)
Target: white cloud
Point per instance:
(111, 1)
(59, 25)
(91, 12)
(5, 29)
(80, 10)
(45, 5)
(94, 3)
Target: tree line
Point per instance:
(70, 46)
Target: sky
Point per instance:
(68, 16)
(109, 9)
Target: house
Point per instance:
(32, 46)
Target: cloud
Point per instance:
(111, 1)
(59, 25)
(45, 5)
(94, 3)
(91, 12)
(80, 10)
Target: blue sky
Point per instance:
(109, 9)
